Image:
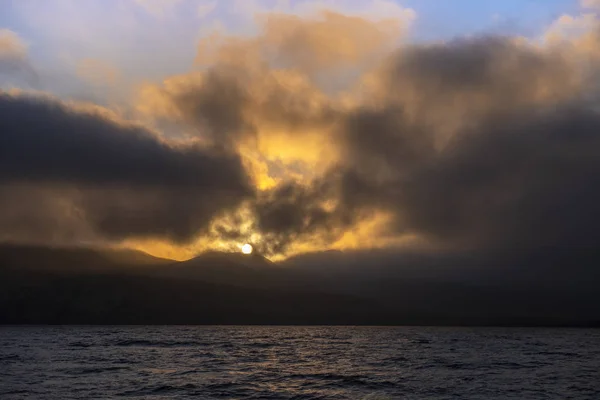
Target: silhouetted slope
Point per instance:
(75, 259)
(95, 286)
(228, 268)
(82, 286)
(127, 299)
(517, 287)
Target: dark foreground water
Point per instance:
(298, 363)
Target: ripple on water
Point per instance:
(297, 363)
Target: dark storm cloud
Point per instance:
(502, 72)
(46, 141)
(129, 182)
(175, 214)
(531, 180)
(520, 169)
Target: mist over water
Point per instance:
(298, 363)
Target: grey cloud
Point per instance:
(215, 105)
(522, 172)
(528, 180)
(129, 183)
(497, 69)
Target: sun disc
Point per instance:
(247, 248)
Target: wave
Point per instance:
(158, 343)
(80, 344)
(170, 388)
(98, 370)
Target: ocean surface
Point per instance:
(298, 363)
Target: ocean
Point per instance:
(277, 362)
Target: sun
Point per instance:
(247, 248)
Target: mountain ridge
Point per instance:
(82, 285)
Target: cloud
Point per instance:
(276, 114)
(473, 146)
(438, 137)
(476, 143)
(147, 40)
(126, 180)
(589, 3)
(516, 166)
(265, 87)
(527, 182)
(43, 214)
(12, 46)
(331, 41)
(14, 57)
(292, 211)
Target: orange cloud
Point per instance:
(12, 47)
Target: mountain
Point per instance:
(107, 286)
(547, 286)
(92, 286)
(216, 267)
(75, 259)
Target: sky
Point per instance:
(130, 34)
(180, 126)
